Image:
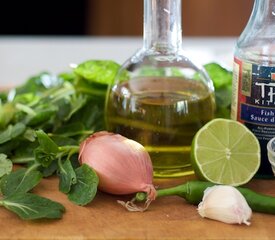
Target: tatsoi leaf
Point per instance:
(11, 132)
(5, 165)
(19, 181)
(100, 71)
(84, 191)
(29, 206)
(67, 176)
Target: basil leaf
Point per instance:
(29, 206)
(67, 176)
(19, 181)
(5, 165)
(84, 191)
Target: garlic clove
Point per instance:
(226, 204)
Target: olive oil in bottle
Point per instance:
(163, 114)
(159, 97)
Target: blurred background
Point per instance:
(118, 17)
(50, 35)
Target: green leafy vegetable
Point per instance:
(12, 132)
(47, 151)
(67, 176)
(222, 80)
(6, 114)
(42, 123)
(20, 181)
(98, 71)
(5, 165)
(84, 191)
(29, 206)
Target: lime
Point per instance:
(225, 152)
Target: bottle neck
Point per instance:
(162, 25)
(264, 12)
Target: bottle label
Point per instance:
(253, 103)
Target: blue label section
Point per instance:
(257, 115)
(262, 86)
(256, 105)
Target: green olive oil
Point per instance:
(163, 114)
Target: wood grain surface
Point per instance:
(167, 218)
(104, 218)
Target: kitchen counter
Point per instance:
(104, 218)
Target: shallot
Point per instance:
(122, 165)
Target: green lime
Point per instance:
(225, 152)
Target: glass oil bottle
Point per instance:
(160, 98)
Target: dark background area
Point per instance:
(45, 17)
(117, 17)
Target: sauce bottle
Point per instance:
(160, 98)
(253, 98)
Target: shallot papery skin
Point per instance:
(122, 165)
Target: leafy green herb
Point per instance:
(5, 165)
(15, 187)
(84, 191)
(47, 151)
(98, 71)
(222, 80)
(6, 114)
(12, 132)
(20, 181)
(29, 206)
(42, 123)
(67, 176)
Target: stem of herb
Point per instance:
(22, 160)
(33, 167)
(70, 149)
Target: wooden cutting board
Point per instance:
(167, 218)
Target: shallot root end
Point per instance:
(133, 207)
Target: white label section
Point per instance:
(235, 90)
